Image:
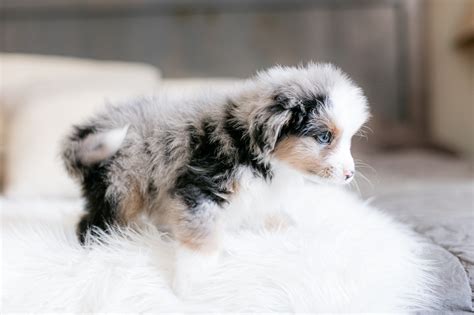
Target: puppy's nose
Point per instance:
(348, 174)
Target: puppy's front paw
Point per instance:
(192, 268)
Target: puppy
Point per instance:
(193, 166)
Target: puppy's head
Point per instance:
(308, 120)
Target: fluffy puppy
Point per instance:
(194, 165)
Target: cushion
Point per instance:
(340, 255)
(42, 98)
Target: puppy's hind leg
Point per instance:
(101, 210)
(90, 224)
(198, 246)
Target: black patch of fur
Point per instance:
(208, 172)
(241, 141)
(259, 133)
(81, 132)
(300, 123)
(316, 103)
(100, 209)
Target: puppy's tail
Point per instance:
(86, 147)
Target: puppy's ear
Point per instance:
(271, 121)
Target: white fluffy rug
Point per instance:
(341, 255)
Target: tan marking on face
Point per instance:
(306, 154)
(300, 153)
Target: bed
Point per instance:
(432, 193)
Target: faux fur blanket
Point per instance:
(340, 255)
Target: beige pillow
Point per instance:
(42, 97)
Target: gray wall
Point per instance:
(368, 39)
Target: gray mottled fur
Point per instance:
(157, 147)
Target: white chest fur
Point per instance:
(258, 198)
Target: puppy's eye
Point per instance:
(324, 137)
